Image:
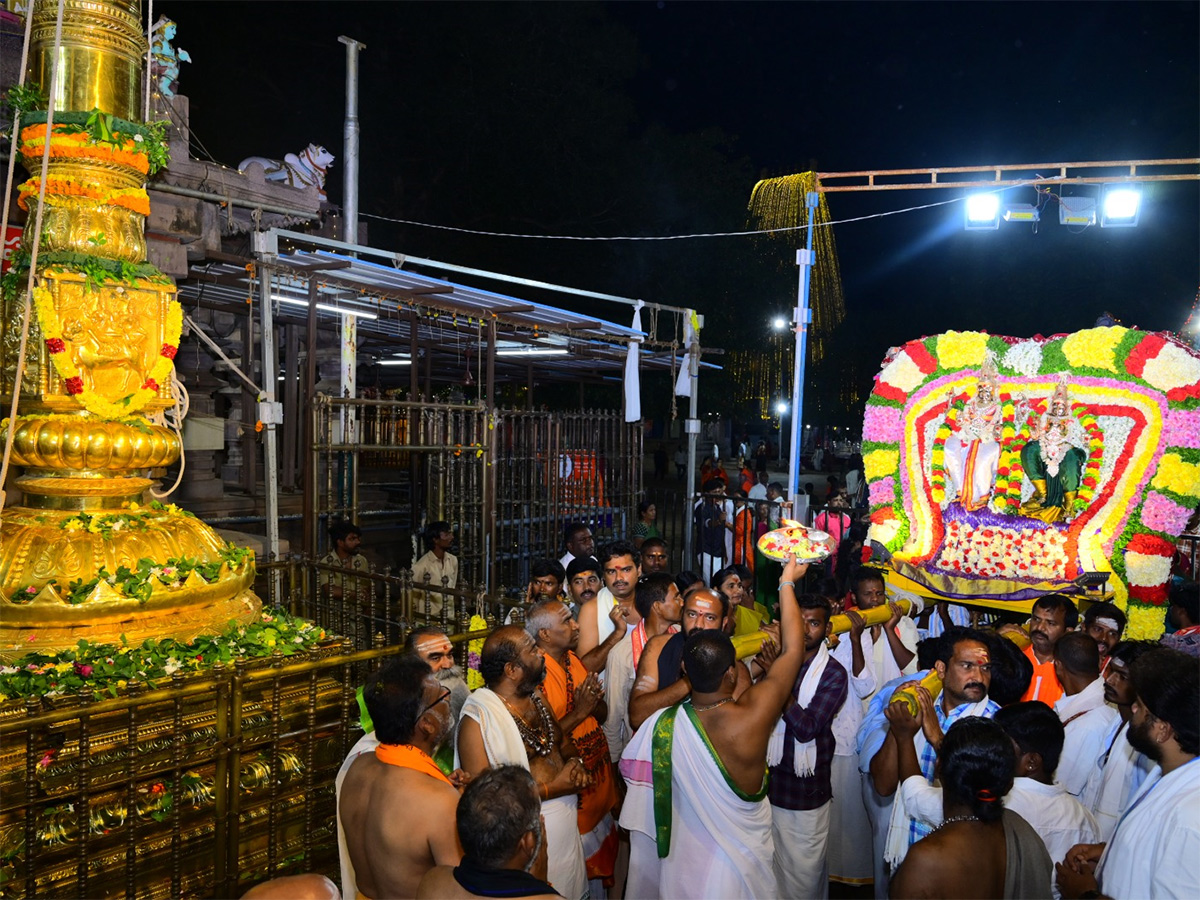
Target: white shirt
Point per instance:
(959, 615)
(1156, 845)
(758, 492)
(1060, 820)
(566, 559)
(1087, 719)
(619, 675)
(366, 744)
(1118, 774)
(861, 687)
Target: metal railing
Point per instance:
(202, 785)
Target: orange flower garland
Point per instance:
(73, 381)
(79, 145)
(135, 199)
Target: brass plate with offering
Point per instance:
(807, 544)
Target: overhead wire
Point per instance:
(679, 237)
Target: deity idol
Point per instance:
(1052, 463)
(973, 450)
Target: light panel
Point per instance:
(983, 212)
(1120, 205)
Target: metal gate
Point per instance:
(508, 482)
(554, 468)
(403, 464)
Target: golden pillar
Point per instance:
(84, 552)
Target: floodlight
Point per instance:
(781, 407)
(1120, 205)
(1076, 210)
(1022, 212)
(983, 212)
(779, 323)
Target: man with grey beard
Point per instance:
(430, 644)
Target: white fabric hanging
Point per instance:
(691, 329)
(633, 388)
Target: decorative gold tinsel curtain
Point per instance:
(779, 203)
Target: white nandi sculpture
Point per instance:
(297, 169)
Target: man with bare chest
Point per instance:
(390, 853)
(660, 682)
(696, 808)
(509, 723)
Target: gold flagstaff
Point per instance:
(86, 551)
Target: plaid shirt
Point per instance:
(814, 722)
(918, 830)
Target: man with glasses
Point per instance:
(385, 855)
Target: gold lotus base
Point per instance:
(42, 551)
(180, 623)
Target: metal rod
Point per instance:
(350, 139)
(310, 411)
(801, 320)
(270, 365)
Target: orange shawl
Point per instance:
(406, 756)
(598, 800)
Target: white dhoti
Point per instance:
(971, 466)
(564, 848)
(719, 842)
(879, 814)
(849, 851)
(800, 837)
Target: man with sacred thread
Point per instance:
(697, 771)
(973, 450)
(390, 853)
(573, 691)
(508, 723)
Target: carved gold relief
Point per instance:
(101, 351)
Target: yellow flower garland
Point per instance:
(88, 398)
(79, 145)
(133, 199)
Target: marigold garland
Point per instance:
(79, 145)
(134, 199)
(73, 382)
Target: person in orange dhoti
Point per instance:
(575, 696)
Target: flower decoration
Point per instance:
(1133, 413)
(1094, 348)
(1024, 358)
(961, 349)
(60, 187)
(73, 382)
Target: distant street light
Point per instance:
(779, 323)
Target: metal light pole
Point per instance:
(801, 319)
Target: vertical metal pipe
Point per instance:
(350, 141)
(693, 429)
(802, 319)
(309, 442)
(270, 366)
(292, 415)
(249, 410)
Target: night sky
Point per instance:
(658, 118)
